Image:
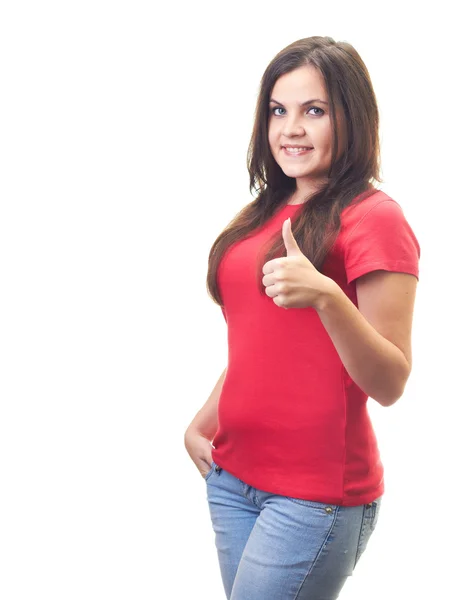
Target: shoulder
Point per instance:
(377, 218)
(379, 206)
(375, 235)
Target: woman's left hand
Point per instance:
(293, 281)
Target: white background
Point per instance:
(124, 132)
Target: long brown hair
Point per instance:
(318, 222)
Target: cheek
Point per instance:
(272, 134)
(324, 140)
(273, 143)
(329, 141)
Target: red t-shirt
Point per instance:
(291, 420)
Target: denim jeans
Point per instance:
(273, 547)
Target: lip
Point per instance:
(300, 153)
(295, 146)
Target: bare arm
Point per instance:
(374, 341)
(205, 421)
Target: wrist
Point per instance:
(327, 294)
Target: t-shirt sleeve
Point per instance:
(382, 239)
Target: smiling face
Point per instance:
(299, 128)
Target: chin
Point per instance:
(296, 172)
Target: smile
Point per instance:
(297, 151)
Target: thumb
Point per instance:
(292, 248)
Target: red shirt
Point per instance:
(291, 420)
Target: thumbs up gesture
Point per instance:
(293, 281)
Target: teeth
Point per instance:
(296, 150)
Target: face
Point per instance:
(299, 119)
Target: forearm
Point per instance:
(376, 365)
(205, 421)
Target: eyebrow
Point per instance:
(303, 103)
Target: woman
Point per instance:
(316, 279)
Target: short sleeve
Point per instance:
(381, 239)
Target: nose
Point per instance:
(292, 127)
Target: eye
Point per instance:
(276, 108)
(321, 111)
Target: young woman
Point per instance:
(316, 279)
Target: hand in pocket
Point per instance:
(199, 449)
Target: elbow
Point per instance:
(389, 396)
(387, 401)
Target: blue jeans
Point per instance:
(273, 547)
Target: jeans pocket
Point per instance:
(322, 506)
(375, 513)
(210, 472)
(370, 515)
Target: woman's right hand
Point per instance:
(199, 449)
